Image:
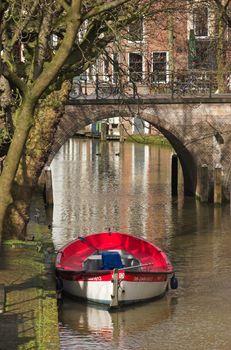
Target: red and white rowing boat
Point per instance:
(114, 268)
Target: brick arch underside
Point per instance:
(188, 165)
(185, 156)
(73, 122)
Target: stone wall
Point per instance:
(200, 132)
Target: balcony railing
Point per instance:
(173, 84)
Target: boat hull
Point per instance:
(114, 268)
(130, 287)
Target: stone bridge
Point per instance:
(199, 130)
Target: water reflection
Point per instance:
(95, 188)
(95, 327)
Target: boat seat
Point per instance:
(111, 260)
(94, 262)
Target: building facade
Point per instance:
(186, 43)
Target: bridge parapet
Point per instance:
(137, 85)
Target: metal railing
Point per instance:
(141, 85)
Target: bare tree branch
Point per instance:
(223, 10)
(52, 68)
(103, 8)
(22, 25)
(13, 78)
(65, 5)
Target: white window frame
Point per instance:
(91, 71)
(194, 28)
(82, 30)
(106, 76)
(191, 24)
(113, 72)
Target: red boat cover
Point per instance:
(72, 256)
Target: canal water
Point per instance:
(127, 187)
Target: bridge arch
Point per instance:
(184, 155)
(77, 118)
(193, 127)
(187, 162)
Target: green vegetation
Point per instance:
(31, 296)
(17, 243)
(149, 139)
(30, 265)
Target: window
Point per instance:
(115, 67)
(82, 31)
(106, 68)
(91, 72)
(54, 41)
(159, 66)
(135, 30)
(228, 29)
(135, 66)
(205, 54)
(200, 20)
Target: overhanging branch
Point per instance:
(104, 7)
(65, 5)
(13, 78)
(223, 11)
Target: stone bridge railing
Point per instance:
(140, 85)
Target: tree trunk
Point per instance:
(23, 124)
(37, 150)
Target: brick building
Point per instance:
(171, 43)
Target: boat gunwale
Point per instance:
(106, 272)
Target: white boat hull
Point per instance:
(102, 291)
(114, 268)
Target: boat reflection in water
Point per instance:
(88, 325)
(84, 319)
